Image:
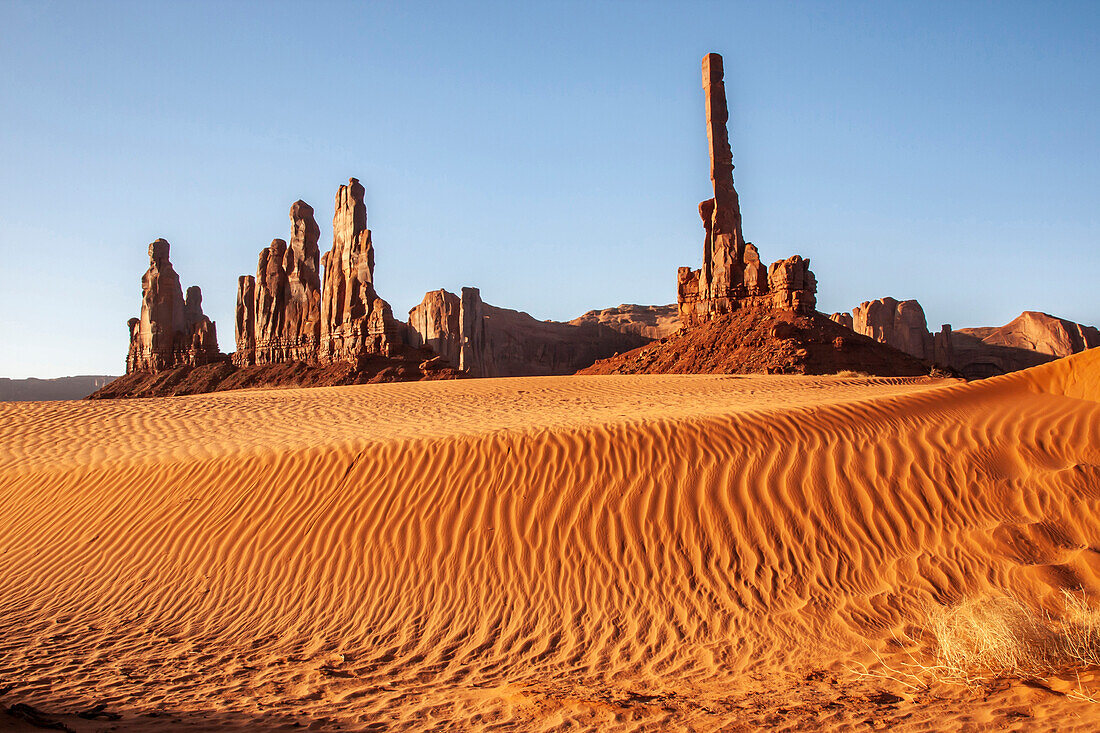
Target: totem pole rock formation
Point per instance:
(732, 275)
(172, 330)
(278, 315)
(354, 321)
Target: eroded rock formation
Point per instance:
(280, 309)
(437, 324)
(285, 313)
(732, 275)
(172, 330)
(355, 321)
(900, 324)
(487, 341)
(1030, 339)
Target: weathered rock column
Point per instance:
(172, 331)
(354, 321)
(245, 322)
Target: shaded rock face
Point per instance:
(282, 304)
(487, 341)
(732, 275)
(172, 330)
(1030, 339)
(437, 324)
(285, 313)
(355, 322)
(647, 321)
(900, 324)
(279, 310)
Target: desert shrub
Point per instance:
(1002, 637)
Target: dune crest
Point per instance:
(613, 552)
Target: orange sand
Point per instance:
(608, 552)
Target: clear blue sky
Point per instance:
(551, 154)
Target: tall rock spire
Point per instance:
(355, 322)
(730, 268)
(732, 275)
(726, 217)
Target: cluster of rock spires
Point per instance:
(302, 307)
(288, 313)
(309, 320)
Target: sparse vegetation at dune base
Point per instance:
(984, 640)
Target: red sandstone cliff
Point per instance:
(486, 341)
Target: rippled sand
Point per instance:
(607, 552)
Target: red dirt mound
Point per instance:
(777, 342)
(412, 365)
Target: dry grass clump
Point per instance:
(850, 374)
(980, 640)
(1001, 637)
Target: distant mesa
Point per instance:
(59, 388)
(1032, 338)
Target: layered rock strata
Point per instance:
(172, 330)
(732, 275)
(486, 341)
(647, 321)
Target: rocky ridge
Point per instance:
(1030, 339)
(486, 341)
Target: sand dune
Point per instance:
(606, 552)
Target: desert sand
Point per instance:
(651, 552)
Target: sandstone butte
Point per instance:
(737, 315)
(310, 320)
(1030, 339)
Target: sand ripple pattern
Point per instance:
(616, 553)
